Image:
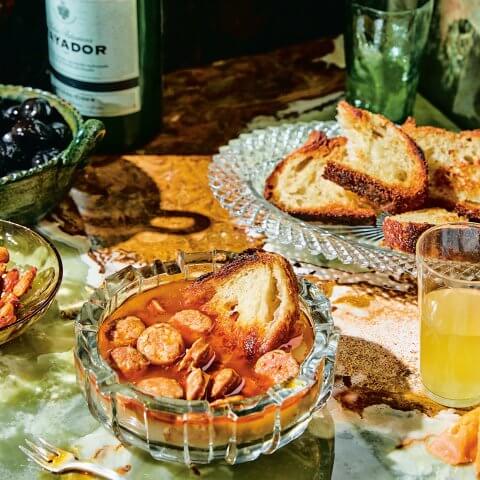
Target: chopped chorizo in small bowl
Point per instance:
(229, 354)
(30, 275)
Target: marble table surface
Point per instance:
(129, 209)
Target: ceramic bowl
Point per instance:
(28, 248)
(190, 432)
(28, 195)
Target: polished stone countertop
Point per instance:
(132, 208)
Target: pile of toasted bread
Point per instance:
(422, 176)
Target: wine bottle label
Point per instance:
(94, 59)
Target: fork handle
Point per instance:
(97, 470)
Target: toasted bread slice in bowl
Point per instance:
(383, 165)
(297, 186)
(255, 300)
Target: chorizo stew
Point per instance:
(166, 346)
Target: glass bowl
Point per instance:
(28, 248)
(192, 432)
(28, 195)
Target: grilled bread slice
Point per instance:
(253, 299)
(297, 187)
(383, 164)
(402, 231)
(453, 166)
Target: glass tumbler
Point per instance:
(448, 265)
(384, 42)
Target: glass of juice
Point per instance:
(384, 42)
(448, 265)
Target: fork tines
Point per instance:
(41, 452)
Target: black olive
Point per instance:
(55, 116)
(36, 108)
(15, 157)
(9, 116)
(7, 138)
(24, 134)
(63, 135)
(31, 134)
(45, 133)
(42, 156)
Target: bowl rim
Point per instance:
(46, 301)
(103, 302)
(10, 91)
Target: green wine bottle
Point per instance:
(105, 58)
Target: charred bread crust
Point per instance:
(468, 209)
(389, 199)
(248, 257)
(411, 128)
(333, 214)
(403, 236)
(315, 141)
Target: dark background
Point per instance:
(196, 32)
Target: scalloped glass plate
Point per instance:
(237, 177)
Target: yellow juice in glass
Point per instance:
(450, 343)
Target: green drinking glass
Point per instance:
(384, 42)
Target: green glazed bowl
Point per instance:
(30, 249)
(28, 195)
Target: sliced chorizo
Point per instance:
(160, 387)
(129, 361)
(225, 381)
(161, 344)
(196, 384)
(192, 323)
(10, 279)
(25, 282)
(155, 308)
(126, 331)
(199, 355)
(278, 365)
(7, 314)
(4, 255)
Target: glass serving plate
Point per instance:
(191, 432)
(237, 178)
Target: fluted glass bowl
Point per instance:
(28, 195)
(27, 248)
(191, 432)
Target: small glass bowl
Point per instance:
(28, 195)
(28, 248)
(191, 432)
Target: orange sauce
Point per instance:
(173, 298)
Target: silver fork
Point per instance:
(56, 460)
